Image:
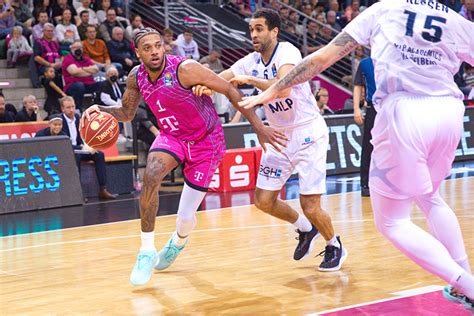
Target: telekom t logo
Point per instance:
(239, 175)
(170, 122)
(198, 176)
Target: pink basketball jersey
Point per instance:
(178, 111)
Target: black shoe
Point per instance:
(333, 257)
(304, 243)
(364, 191)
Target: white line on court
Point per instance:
(167, 233)
(407, 293)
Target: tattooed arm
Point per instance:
(192, 73)
(130, 101)
(309, 67)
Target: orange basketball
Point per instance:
(100, 131)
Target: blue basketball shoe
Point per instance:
(168, 254)
(143, 268)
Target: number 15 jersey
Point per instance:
(417, 46)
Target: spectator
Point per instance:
(66, 32)
(46, 51)
(120, 50)
(312, 30)
(213, 61)
(187, 46)
(96, 49)
(468, 79)
(308, 11)
(53, 91)
(284, 14)
(110, 92)
(7, 19)
(71, 128)
(102, 10)
(136, 23)
(334, 6)
(294, 18)
(42, 18)
(322, 99)
(5, 115)
(321, 18)
(43, 6)
(105, 29)
(82, 27)
(325, 35)
(17, 47)
(78, 71)
(58, 9)
(331, 18)
(168, 40)
(467, 10)
(55, 127)
(147, 126)
(351, 11)
(289, 34)
(23, 16)
(85, 5)
(241, 7)
(30, 110)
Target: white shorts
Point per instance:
(415, 139)
(306, 153)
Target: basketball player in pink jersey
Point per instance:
(190, 134)
(417, 48)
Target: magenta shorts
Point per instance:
(200, 158)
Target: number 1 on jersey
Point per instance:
(438, 31)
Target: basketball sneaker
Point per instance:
(457, 297)
(334, 257)
(143, 268)
(305, 242)
(168, 254)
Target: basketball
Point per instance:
(100, 131)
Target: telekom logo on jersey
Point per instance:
(169, 122)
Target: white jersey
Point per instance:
(417, 46)
(300, 106)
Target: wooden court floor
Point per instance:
(237, 262)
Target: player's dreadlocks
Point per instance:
(142, 33)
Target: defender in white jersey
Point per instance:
(297, 116)
(417, 47)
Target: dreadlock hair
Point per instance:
(142, 32)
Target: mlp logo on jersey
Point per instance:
(168, 80)
(255, 73)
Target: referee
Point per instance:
(364, 77)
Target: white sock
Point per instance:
(333, 242)
(178, 241)
(303, 224)
(465, 283)
(148, 241)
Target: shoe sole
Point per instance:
(311, 247)
(338, 267)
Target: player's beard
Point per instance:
(155, 69)
(264, 46)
